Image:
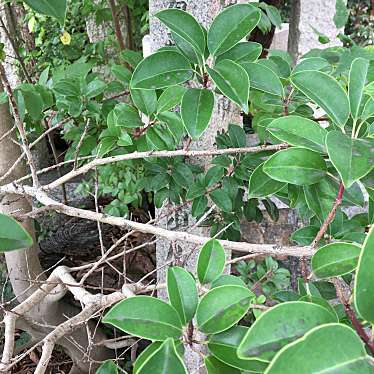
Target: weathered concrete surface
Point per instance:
(224, 113)
(306, 14)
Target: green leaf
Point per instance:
(222, 307)
(237, 136)
(185, 26)
(121, 73)
(305, 235)
(264, 79)
(261, 185)
(356, 84)
(124, 115)
(95, 88)
(170, 98)
(319, 200)
(214, 366)
(150, 350)
(321, 302)
(232, 80)
(124, 140)
(296, 166)
(133, 58)
(300, 132)
(268, 333)
(108, 367)
(364, 282)
(349, 356)
(371, 205)
(33, 102)
(196, 111)
(227, 279)
(224, 345)
(335, 259)
(341, 14)
(182, 293)
(312, 63)
(242, 52)
(222, 199)
(146, 317)
(231, 26)
(332, 99)
(198, 206)
(163, 360)
(352, 158)
(144, 100)
(12, 235)
(53, 8)
(160, 70)
(211, 261)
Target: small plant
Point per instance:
(266, 277)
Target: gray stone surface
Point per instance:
(224, 113)
(307, 14)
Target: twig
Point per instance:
(339, 286)
(137, 155)
(117, 26)
(19, 125)
(84, 133)
(330, 217)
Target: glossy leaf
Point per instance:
(185, 26)
(211, 261)
(356, 84)
(214, 366)
(163, 360)
(348, 356)
(268, 333)
(335, 259)
(227, 279)
(312, 63)
(300, 132)
(182, 292)
(364, 282)
(150, 350)
(196, 111)
(146, 317)
(12, 235)
(321, 302)
(231, 26)
(332, 99)
(261, 185)
(145, 100)
(370, 192)
(160, 70)
(297, 166)
(242, 52)
(305, 235)
(232, 80)
(107, 367)
(341, 14)
(264, 79)
(170, 98)
(352, 158)
(224, 345)
(53, 8)
(222, 307)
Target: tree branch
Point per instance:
(137, 155)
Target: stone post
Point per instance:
(306, 14)
(224, 113)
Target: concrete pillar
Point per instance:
(309, 14)
(224, 113)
